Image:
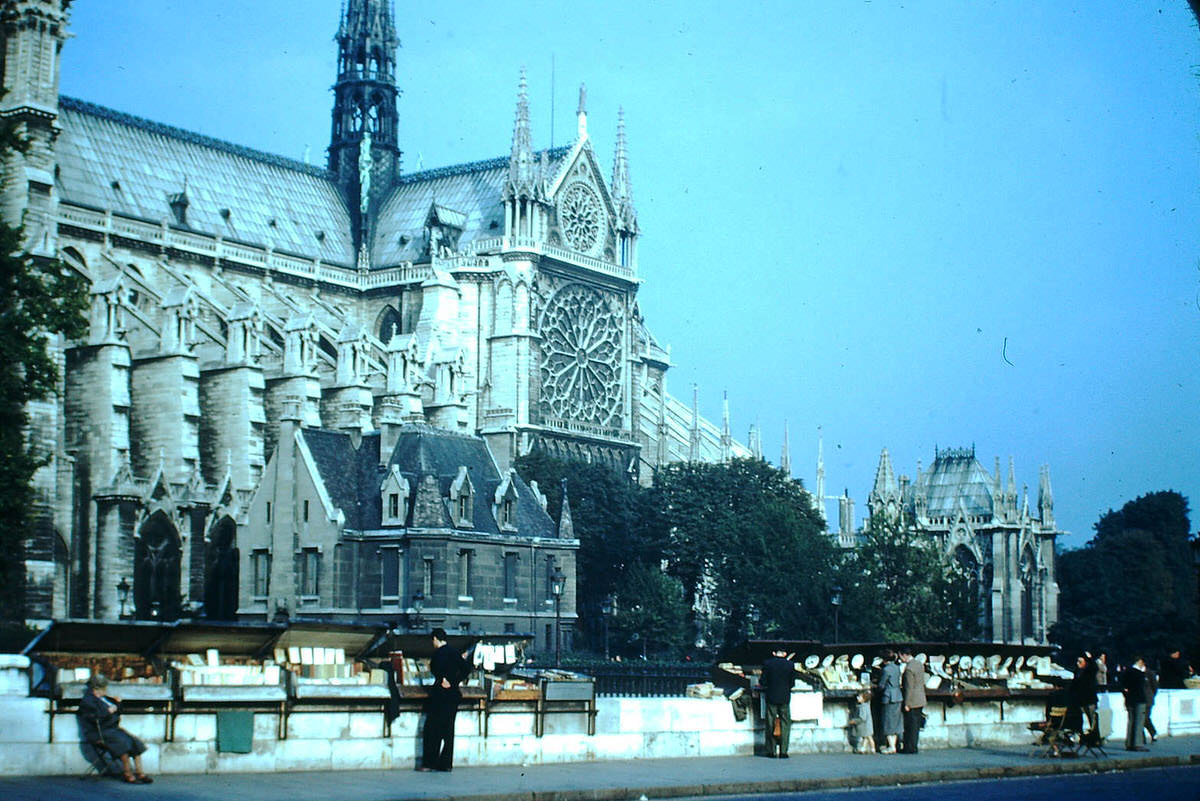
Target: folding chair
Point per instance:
(1092, 742)
(1054, 739)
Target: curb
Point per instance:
(1061, 767)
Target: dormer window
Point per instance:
(504, 504)
(462, 500)
(394, 498)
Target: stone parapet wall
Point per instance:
(626, 728)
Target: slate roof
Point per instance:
(352, 477)
(474, 190)
(955, 475)
(109, 160)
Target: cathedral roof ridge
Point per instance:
(96, 110)
(475, 166)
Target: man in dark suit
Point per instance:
(912, 686)
(448, 669)
(778, 676)
(1133, 687)
(1174, 670)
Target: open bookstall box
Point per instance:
(66, 655)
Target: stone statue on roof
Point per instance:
(365, 163)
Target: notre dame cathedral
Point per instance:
(364, 324)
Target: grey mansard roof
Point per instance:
(114, 161)
(353, 476)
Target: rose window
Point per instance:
(581, 357)
(579, 214)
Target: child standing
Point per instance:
(864, 724)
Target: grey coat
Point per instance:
(889, 684)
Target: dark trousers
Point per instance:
(912, 728)
(1135, 737)
(1153, 732)
(440, 712)
(782, 713)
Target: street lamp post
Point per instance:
(123, 594)
(606, 610)
(557, 582)
(835, 598)
(418, 603)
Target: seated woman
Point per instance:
(98, 718)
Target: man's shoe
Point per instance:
(424, 769)
(784, 756)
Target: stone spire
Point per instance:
(566, 528)
(755, 438)
(521, 163)
(819, 497)
(622, 192)
(726, 436)
(885, 495)
(364, 107)
(694, 429)
(885, 476)
(1045, 498)
(581, 112)
(1010, 490)
(785, 456)
(622, 187)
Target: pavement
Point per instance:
(611, 780)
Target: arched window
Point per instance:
(1028, 569)
(390, 322)
(156, 570)
(221, 572)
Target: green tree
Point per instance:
(748, 548)
(38, 298)
(898, 587)
(1132, 588)
(606, 510)
(651, 613)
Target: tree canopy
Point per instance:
(898, 587)
(1132, 588)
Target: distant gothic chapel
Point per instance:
(361, 323)
(1005, 547)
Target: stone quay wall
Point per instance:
(327, 738)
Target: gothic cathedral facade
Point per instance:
(237, 295)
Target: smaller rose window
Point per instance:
(579, 214)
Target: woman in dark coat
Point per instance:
(98, 719)
(889, 697)
(1083, 688)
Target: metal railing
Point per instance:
(642, 680)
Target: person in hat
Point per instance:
(99, 716)
(448, 669)
(778, 676)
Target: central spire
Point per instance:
(364, 151)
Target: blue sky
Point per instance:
(914, 225)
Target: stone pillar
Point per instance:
(232, 424)
(282, 529)
(165, 420)
(96, 411)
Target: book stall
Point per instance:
(955, 673)
(545, 691)
(67, 654)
